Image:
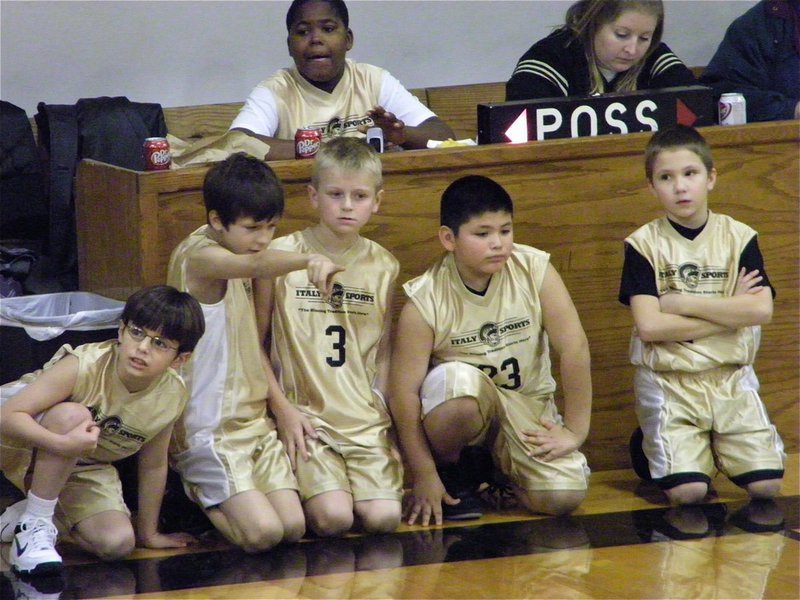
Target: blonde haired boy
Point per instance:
(331, 356)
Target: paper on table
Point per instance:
(450, 143)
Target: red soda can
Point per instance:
(157, 156)
(307, 141)
(732, 109)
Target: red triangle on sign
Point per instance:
(685, 116)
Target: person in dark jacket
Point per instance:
(760, 58)
(604, 46)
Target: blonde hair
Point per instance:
(586, 17)
(347, 154)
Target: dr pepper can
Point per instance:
(306, 142)
(157, 156)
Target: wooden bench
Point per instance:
(576, 199)
(454, 104)
(205, 120)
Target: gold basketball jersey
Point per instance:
(225, 373)
(334, 113)
(325, 353)
(127, 420)
(705, 266)
(500, 332)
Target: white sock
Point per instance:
(39, 508)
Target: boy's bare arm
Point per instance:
(397, 132)
(215, 263)
(411, 353)
(53, 386)
(262, 300)
(278, 149)
(382, 359)
(292, 425)
(152, 475)
(432, 129)
(751, 304)
(563, 326)
(678, 317)
(654, 325)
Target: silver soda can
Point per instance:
(732, 109)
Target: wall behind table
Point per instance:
(187, 53)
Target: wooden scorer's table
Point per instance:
(575, 198)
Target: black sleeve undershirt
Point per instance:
(638, 277)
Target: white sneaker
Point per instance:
(9, 520)
(33, 550)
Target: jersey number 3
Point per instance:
(338, 345)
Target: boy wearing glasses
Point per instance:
(225, 446)
(62, 427)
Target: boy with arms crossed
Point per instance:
(332, 356)
(482, 316)
(225, 446)
(698, 291)
(65, 424)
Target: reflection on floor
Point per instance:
(617, 546)
(422, 547)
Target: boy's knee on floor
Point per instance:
(554, 502)
(260, 538)
(767, 488)
(693, 492)
(113, 544)
(379, 516)
(294, 529)
(330, 523)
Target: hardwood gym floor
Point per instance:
(624, 542)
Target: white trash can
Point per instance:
(33, 328)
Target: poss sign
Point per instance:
(551, 118)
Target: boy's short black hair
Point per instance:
(472, 196)
(677, 137)
(173, 314)
(338, 6)
(243, 186)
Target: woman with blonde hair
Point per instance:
(604, 46)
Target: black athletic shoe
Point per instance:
(469, 508)
(463, 481)
(458, 486)
(476, 466)
(638, 459)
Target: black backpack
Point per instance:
(111, 130)
(23, 207)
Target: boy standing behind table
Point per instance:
(331, 355)
(330, 92)
(225, 446)
(699, 293)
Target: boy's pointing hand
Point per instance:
(320, 273)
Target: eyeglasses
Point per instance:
(139, 334)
